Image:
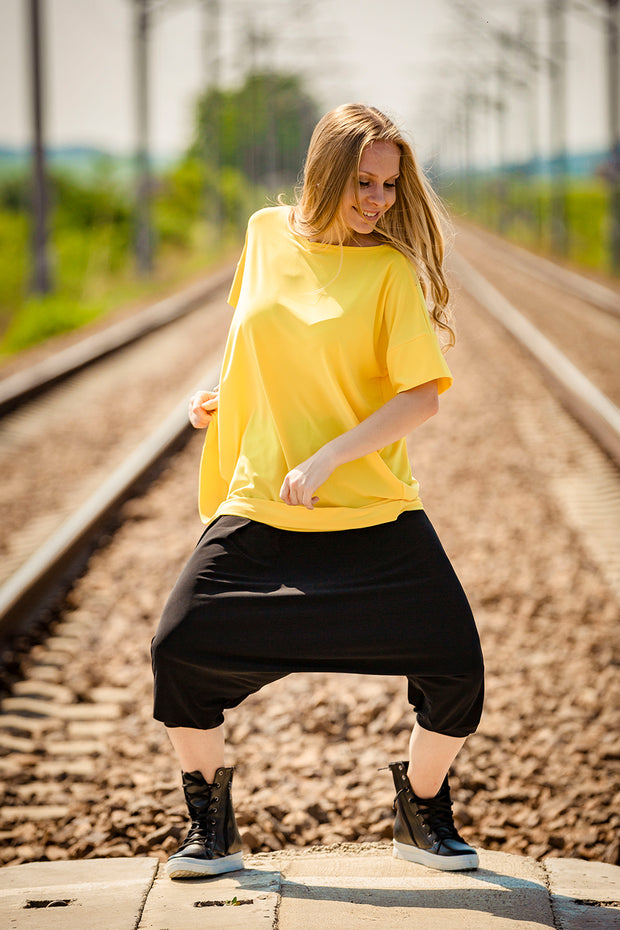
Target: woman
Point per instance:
(318, 555)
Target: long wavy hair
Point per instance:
(413, 225)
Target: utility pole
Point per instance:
(263, 162)
(559, 158)
(252, 40)
(613, 73)
(41, 279)
(144, 232)
(528, 40)
(468, 118)
(211, 134)
(488, 107)
(211, 42)
(502, 138)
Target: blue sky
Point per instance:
(400, 55)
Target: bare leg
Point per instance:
(430, 757)
(198, 750)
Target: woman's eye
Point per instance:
(389, 184)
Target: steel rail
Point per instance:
(21, 386)
(542, 269)
(590, 407)
(45, 576)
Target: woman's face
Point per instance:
(376, 187)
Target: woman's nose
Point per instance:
(377, 196)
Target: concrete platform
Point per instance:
(348, 887)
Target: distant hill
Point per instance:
(86, 161)
(12, 158)
(80, 160)
(578, 164)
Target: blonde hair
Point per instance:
(413, 225)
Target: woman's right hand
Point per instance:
(202, 406)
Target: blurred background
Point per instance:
(136, 136)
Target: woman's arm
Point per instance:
(394, 420)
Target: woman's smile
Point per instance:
(375, 191)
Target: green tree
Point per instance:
(261, 128)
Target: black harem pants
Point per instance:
(255, 603)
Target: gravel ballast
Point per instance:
(540, 776)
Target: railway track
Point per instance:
(80, 432)
(35, 380)
(569, 326)
(589, 405)
(582, 321)
(601, 296)
(79, 750)
(32, 582)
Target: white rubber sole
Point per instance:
(442, 863)
(186, 867)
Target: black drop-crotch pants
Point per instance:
(255, 603)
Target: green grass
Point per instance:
(14, 267)
(97, 290)
(521, 210)
(90, 246)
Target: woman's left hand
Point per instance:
(302, 481)
(395, 419)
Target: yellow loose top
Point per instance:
(322, 336)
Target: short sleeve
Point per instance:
(235, 289)
(413, 354)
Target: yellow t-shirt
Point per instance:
(322, 336)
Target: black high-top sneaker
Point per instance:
(213, 844)
(424, 830)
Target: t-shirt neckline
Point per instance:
(324, 246)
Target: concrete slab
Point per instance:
(91, 894)
(585, 895)
(347, 887)
(244, 900)
(335, 891)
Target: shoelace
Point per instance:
(202, 829)
(436, 814)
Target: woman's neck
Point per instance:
(363, 241)
(355, 240)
